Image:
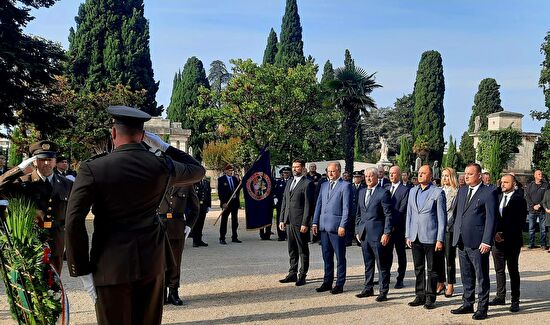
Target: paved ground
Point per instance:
(238, 283)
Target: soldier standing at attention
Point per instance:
(178, 210)
(124, 270)
(48, 191)
(204, 193)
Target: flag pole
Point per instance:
(239, 186)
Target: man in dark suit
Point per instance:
(48, 191)
(373, 226)
(399, 196)
(425, 233)
(124, 270)
(356, 186)
(178, 211)
(62, 168)
(204, 193)
(405, 180)
(313, 175)
(330, 220)
(227, 184)
(296, 214)
(508, 241)
(382, 180)
(474, 231)
(278, 192)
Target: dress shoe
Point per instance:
(462, 310)
(301, 280)
(399, 285)
(429, 304)
(324, 287)
(365, 293)
(382, 297)
(479, 315)
(450, 291)
(545, 248)
(440, 288)
(281, 239)
(336, 290)
(417, 302)
(195, 244)
(515, 307)
(173, 297)
(265, 238)
(203, 244)
(289, 278)
(223, 242)
(236, 241)
(497, 302)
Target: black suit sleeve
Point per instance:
(388, 211)
(308, 204)
(491, 211)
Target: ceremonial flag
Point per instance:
(257, 187)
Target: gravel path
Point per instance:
(238, 283)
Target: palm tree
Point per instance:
(351, 88)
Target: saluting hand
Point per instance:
(154, 141)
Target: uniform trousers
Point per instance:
(199, 225)
(56, 242)
(134, 303)
(173, 274)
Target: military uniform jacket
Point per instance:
(204, 193)
(179, 208)
(124, 189)
(51, 205)
(278, 192)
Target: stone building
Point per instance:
(521, 162)
(177, 137)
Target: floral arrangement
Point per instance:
(33, 287)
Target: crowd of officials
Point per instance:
(437, 219)
(147, 197)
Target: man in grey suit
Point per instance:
(330, 220)
(425, 233)
(296, 213)
(373, 226)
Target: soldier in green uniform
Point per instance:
(49, 192)
(124, 269)
(178, 211)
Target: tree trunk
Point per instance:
(350, 128)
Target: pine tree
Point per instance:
(349, 63)
(218, 76)
(291, 47)
(110, 46)
(428, 120)
(271, 48)
(486, 101)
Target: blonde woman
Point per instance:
(449, 182)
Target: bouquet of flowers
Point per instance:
(33, 287)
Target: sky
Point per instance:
(498, 39)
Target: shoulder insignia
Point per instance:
(96, 156)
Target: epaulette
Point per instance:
(96, 156)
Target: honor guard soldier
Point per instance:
(204, 193)
(48, 191)
(278, 192)
(178, 210)
(124, 270)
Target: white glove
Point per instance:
(26, 163)
(187, 231)
(275, 200)
(154, 141)
(88, 283)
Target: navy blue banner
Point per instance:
(257, 186)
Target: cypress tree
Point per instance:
(291, 47)
(486, 101)
(328, 74)
(541, 154)
(467, 150)
(185, 91)
(271, 48)
(452, 157)
(349, 63)
(428, 118)
(111, 46)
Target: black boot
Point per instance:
(173, 297)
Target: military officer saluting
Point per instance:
(178, 210)
(48, 191)
(124, 269)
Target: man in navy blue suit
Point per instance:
(399, 196)
(373, 226)
(330, 220)
(474, 229)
